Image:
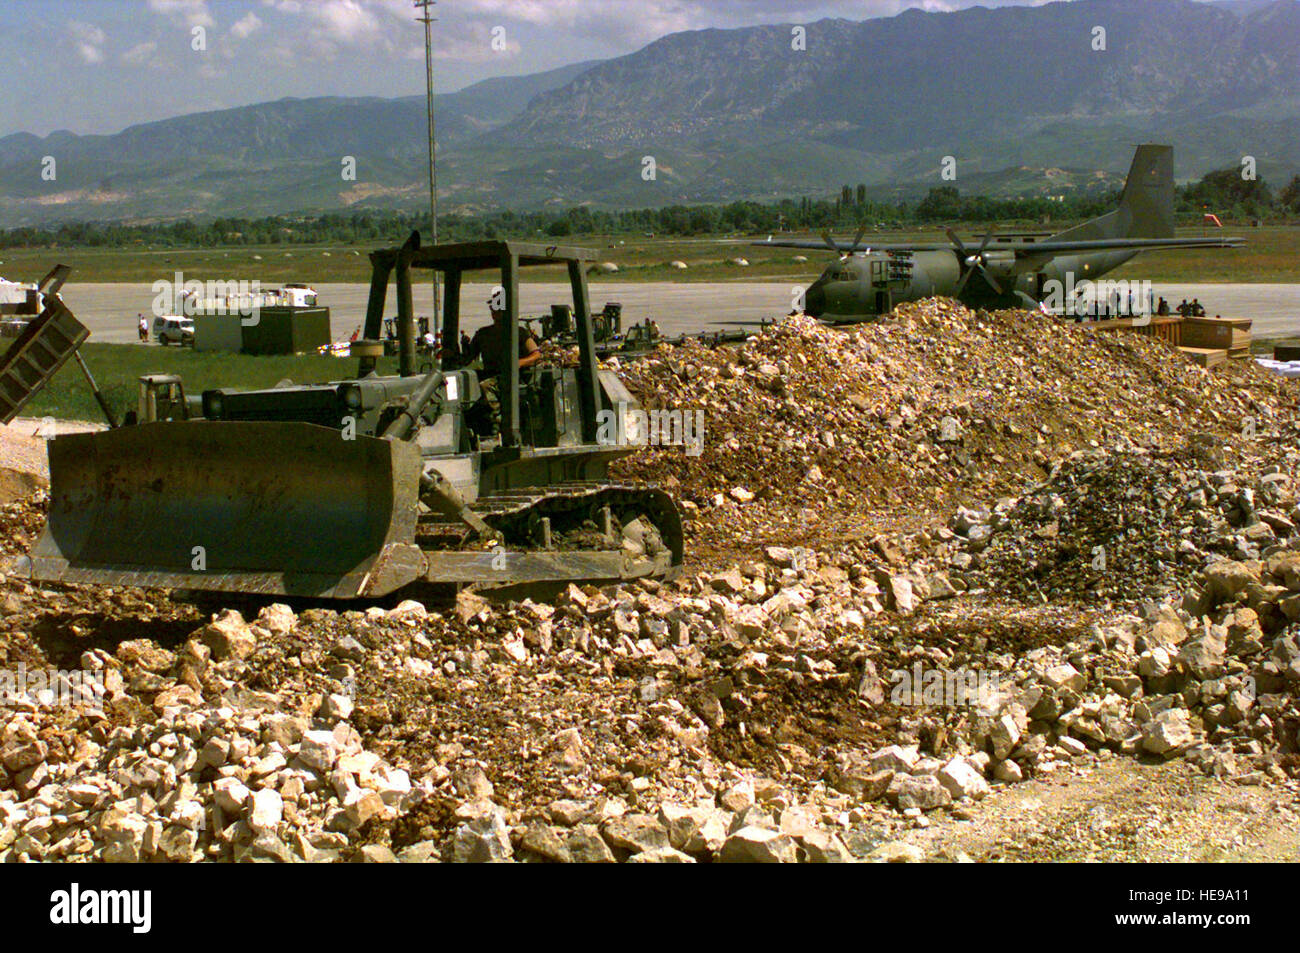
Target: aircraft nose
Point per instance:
(814, 300)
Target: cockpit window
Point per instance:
(844, 275)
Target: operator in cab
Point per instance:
(484, 417)
(487, 345)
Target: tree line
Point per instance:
(1223, 193)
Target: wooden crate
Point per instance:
(1229, 334)
(1167, 328)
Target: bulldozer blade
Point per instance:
(256, 507)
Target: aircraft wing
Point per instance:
(815, 243)
(1115, 244)
(1022, 249)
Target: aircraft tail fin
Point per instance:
(1146, 206)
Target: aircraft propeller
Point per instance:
(972, 262)
(857, 240)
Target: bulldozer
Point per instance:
(360, 488)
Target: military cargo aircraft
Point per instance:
(869, 280)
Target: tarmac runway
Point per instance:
(110, 310)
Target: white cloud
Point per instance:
(246, 26)
(88, 40)
(190, 12)
(333, 25)
(463, 32)
(346, 20)
(388, 28)
(622, 22)
(142, 54)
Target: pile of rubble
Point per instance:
(1214, 678)
(1121, 527)
(752, 714)
(22, 521)
(1121, 578)
(141, 767)
(937, 406)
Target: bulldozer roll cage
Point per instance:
(362, 487)
(452, 261)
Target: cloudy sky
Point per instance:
(97, 66)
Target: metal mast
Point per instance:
(428, 19)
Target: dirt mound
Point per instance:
(17, 485)
(941, 405)
(23, 466)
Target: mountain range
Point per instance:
(1018, 96)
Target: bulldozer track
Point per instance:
(515, 513)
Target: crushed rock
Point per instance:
(927, 496)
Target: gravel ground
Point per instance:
(21, 451)
(1122, 810)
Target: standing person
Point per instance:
(142, 326)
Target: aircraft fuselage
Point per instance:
(865, 286)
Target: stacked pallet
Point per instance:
(1207, 357)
